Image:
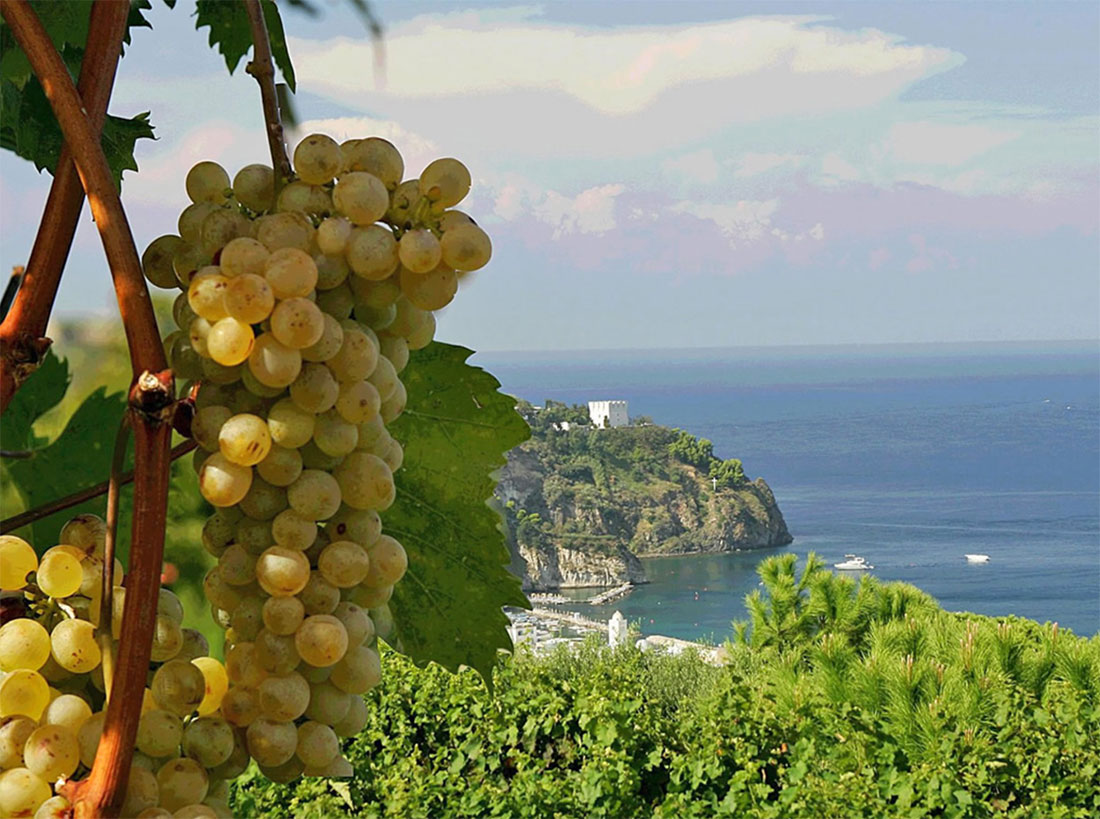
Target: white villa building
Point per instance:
(608, 413)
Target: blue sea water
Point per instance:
(908, 455)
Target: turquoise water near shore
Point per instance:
(910, 456)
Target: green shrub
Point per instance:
(843, 699)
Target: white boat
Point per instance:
(853, 563)
(977, 558)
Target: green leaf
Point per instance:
(78, 458)
(277, 38)
(456, 430)
(65, 22)
(40, 393)
(29, 129)
(231, 34)
(119, 138)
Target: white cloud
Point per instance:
(938, 143)
(624, 70)
(835, 169)
(745, 221)
(591, 211)
(753, 164)
(697, 166)
(509, 202)
(860, 53)
(748, 222)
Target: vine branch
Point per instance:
(76, 498)
(263, 69)
(22, 334)
(139, 321)
(150, 413)
(107, 597)
(10, 289)
(152, 399)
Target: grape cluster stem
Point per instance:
(262, 68)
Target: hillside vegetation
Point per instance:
(581, 503)
(841, 698)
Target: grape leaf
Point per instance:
(67, 25)
(78, 458)
(41, 392)
(231, 34)
(456, 430)
(28, 127)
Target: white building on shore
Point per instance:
(608, 413)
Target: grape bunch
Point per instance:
(298, 312)
(52, 700)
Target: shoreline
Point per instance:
(525, 628)
(659, 555)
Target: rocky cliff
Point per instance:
(582, 504)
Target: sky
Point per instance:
(681, 174)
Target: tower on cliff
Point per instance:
(608, 413)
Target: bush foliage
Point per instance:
(840, 698)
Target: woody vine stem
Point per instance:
(22, 333)
(82, 170)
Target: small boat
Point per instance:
(977, 558)
(853, 563)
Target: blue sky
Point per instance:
(685, 174)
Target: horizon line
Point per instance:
(847, 345)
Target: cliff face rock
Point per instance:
(746, 518)
(557, 566)
(581, 505)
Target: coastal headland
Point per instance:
(583, 502)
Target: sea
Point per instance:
(910, 456)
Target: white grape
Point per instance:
(321, 640)
(274, 364)
(361, 197)
(419, 251)
(290, 272)
(254, 187)
(156, 261)
(445, 182)
(317, 159)
(466, 247)
(230, 341)
(244, 439)
(222, 482)
(297, 323)
(24, 643)
(249, 298)
(371, 252)
(207, 182)
(376, 156)
(290, 425)
(305, 198)
(332, 235)
(284, 230)
(243, 256)
(282, 572)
